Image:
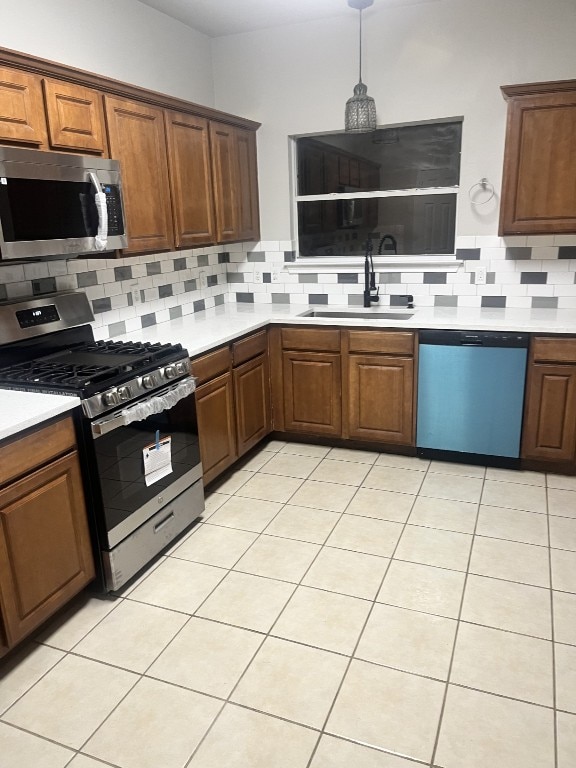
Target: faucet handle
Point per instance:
(409, 301)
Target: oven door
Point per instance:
(132, 494)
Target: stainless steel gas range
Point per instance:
(137, 435)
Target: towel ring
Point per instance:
(485, 186)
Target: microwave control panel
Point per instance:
(114, 207)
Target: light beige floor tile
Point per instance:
(563, 570)
(504, 663)
(232, 481)
(363, 534)
(506, 605)
(276, 558)
(70, 627)
(402, 462)
(453, 487)
(431, 546)
(241, 738)
(452, 468)
(561, 502)
(246, 514)
(331, 496)
(563, 533)
(566, 740)
(349, 573)
(207, 656)
(513, 524)
(396, 479)
(83, 761)
(303, 523)
(212, 502)
(530, 498)
(389, 709)
(323, 619)
(292, 681)
(423, 588)
(258, 460)
(71, 701)
(274, 445)
(564, 482)
(350, 454)
(19, 749)
(21, 671)
(480, 730)
(215, 545)
(141, 576)
(337, 753)
(132, 636)
(247, 601)
(335, 471)
(564, 617)
(408, 640)
(450, 515)
(305, 449)
(156, 725)
(384, 505)
(565, 658)
(291, 465)
(179, 585)
(270, 488)
(515, 476)
(525, 563)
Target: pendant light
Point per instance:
(360, 108)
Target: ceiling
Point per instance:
(217, 18)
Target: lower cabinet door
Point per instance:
(216, 428)
(380, 399)
(252, 398)
(45, 552)
(550, 416)
(312, 392)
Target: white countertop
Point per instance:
(20, 410)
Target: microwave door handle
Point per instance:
(101, 239)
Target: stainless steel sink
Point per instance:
(357, 314)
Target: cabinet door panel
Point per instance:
(248, 213)
(137, 139)
(45, 553)
(380, 400)
(75, 117)
(22, 118)
(225, 177)
(190, 179)
(216, 428)
(312, 393)
(550, 418)
(252, 400)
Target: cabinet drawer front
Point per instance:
(319, 339)
(554, 350)
(385, 342)
(211, 365)
(245, 349)
(23, 454)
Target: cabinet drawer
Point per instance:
(211, 365)
(245, 349)
(554, 350)
(385, 342)
(23, 454)
(311, 339)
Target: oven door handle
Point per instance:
(161, 401)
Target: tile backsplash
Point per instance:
(134, 292)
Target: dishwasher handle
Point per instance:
(474, 338)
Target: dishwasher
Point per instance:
(471, 396)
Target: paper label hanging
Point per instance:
(157, 460)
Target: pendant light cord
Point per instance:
(360, 74)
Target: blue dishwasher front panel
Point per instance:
(470, 399)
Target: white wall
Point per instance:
(437, 59)
(122, 39)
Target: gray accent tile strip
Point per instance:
(148, 320)
(203, 260)
(3, 294)
(86, 279)
(122, 273)
(43, 285)
(533, 278)
(164, 291)
(267, 277)
(567, 252)
(398, 301)
(180, 264)
(348, 277)
(445, 301)
(468, 254)
(390, 277)
(200, 305)
(256, 256)
(544, 302)
(318, 298)
(224, 258)
(212, 280)
(189, 285)
(518, 253)
(219, 300)
(435, 277)
(308, 277)
(235, 277)
(153, 268)
(175, 312)
(117, 329)
(280, 298)
(245, 298)
(101, 305)
(355, 300)
(493, 301)
(289, 256)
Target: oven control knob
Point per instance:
(181, 368)
(170, 371)
(148, 381)
(110, 398)
(124, 393)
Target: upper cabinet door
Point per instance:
(137, 139)
(248, 211)
(539, 181)
(22, 117)
(190, 179)
(225, 178)
(75, 117)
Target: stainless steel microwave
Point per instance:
(55, 204)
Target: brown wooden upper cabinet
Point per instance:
(22, 118)
(539, 177)
(75, 117)
(137, 139)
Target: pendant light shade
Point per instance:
(360, 108)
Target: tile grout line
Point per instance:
(553, 636)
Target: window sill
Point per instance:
(381, 264)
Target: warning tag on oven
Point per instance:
(157, 460)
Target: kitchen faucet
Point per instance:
(392, 239)
(370, 290)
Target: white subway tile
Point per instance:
(514, 241)
(546, 252)
(56, 268)
(540, 240)
(561, 278)
(564, 290)
(18, 290)
(519, 302)
(36, 271)
(564, 239)
(544, 290)
(465, 241)
(12, 274)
